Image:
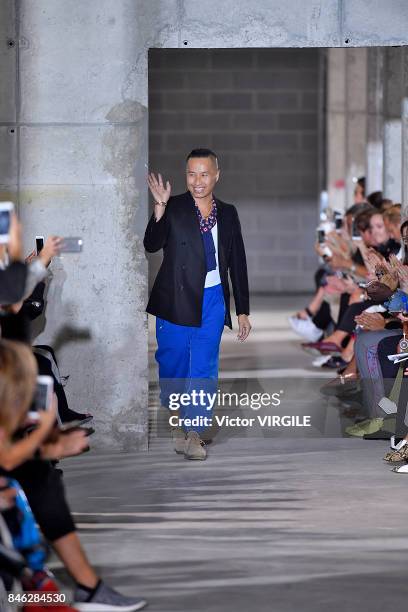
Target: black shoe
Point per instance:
(335, 362)
(378, 435)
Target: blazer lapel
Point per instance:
(191, 220)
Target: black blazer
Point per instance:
(177, 293)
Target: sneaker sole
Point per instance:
(190, 458)
(100, 607)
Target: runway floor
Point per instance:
(265, 524)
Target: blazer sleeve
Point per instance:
(238, 268)
(156, 233)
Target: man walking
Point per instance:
(201, 241)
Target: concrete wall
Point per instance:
(346, 123)
(258, 109)
(75, 91)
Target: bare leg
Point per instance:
(70, 551)
(351, 367)
(348, 353)
(337, 337)
(317, 301)
(314, 304)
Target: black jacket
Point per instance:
(177, 293)
(12, 282)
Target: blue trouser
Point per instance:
(188, 357)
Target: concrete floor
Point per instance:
(264, 524)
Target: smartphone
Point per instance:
(355, 234)
(42, 397)
(321, 237)
(71, 245)
(77, 423)
(39, 244)
(6, 208)
(338, 223)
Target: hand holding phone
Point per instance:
(51, 248)
(39, 244)
(43, 397)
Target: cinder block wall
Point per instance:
(257, 108)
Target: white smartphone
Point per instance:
(39, 244)
(71, 245)
(6, 208)
(42, 397)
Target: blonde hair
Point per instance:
(393, 214)
(18, 374)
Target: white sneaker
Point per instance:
(305, 328)
(398, 446)
(402, 469)
(320, 361)
(387, 405)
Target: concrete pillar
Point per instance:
(336, 128)
(8, 101)
(375, 119)
(404, 113)
(392, 124)
(347, 123)
(356, 118)
(82, 122)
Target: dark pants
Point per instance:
(347, 322)
(43, 486)
(45, 367)
(367, 355)
(386, 347)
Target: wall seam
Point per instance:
(341, 21)
(18, 99)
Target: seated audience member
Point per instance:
(316, 319)
(392, 222)
(378, 336)
(27, 458)
(382, 242)
(374, 234)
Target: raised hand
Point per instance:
(373, 260)
(160, 192)
(50, 249)
(401, 270)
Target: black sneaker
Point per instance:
(106, 599)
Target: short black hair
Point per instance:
(375, 199)
(356, 209)
(202, 153)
